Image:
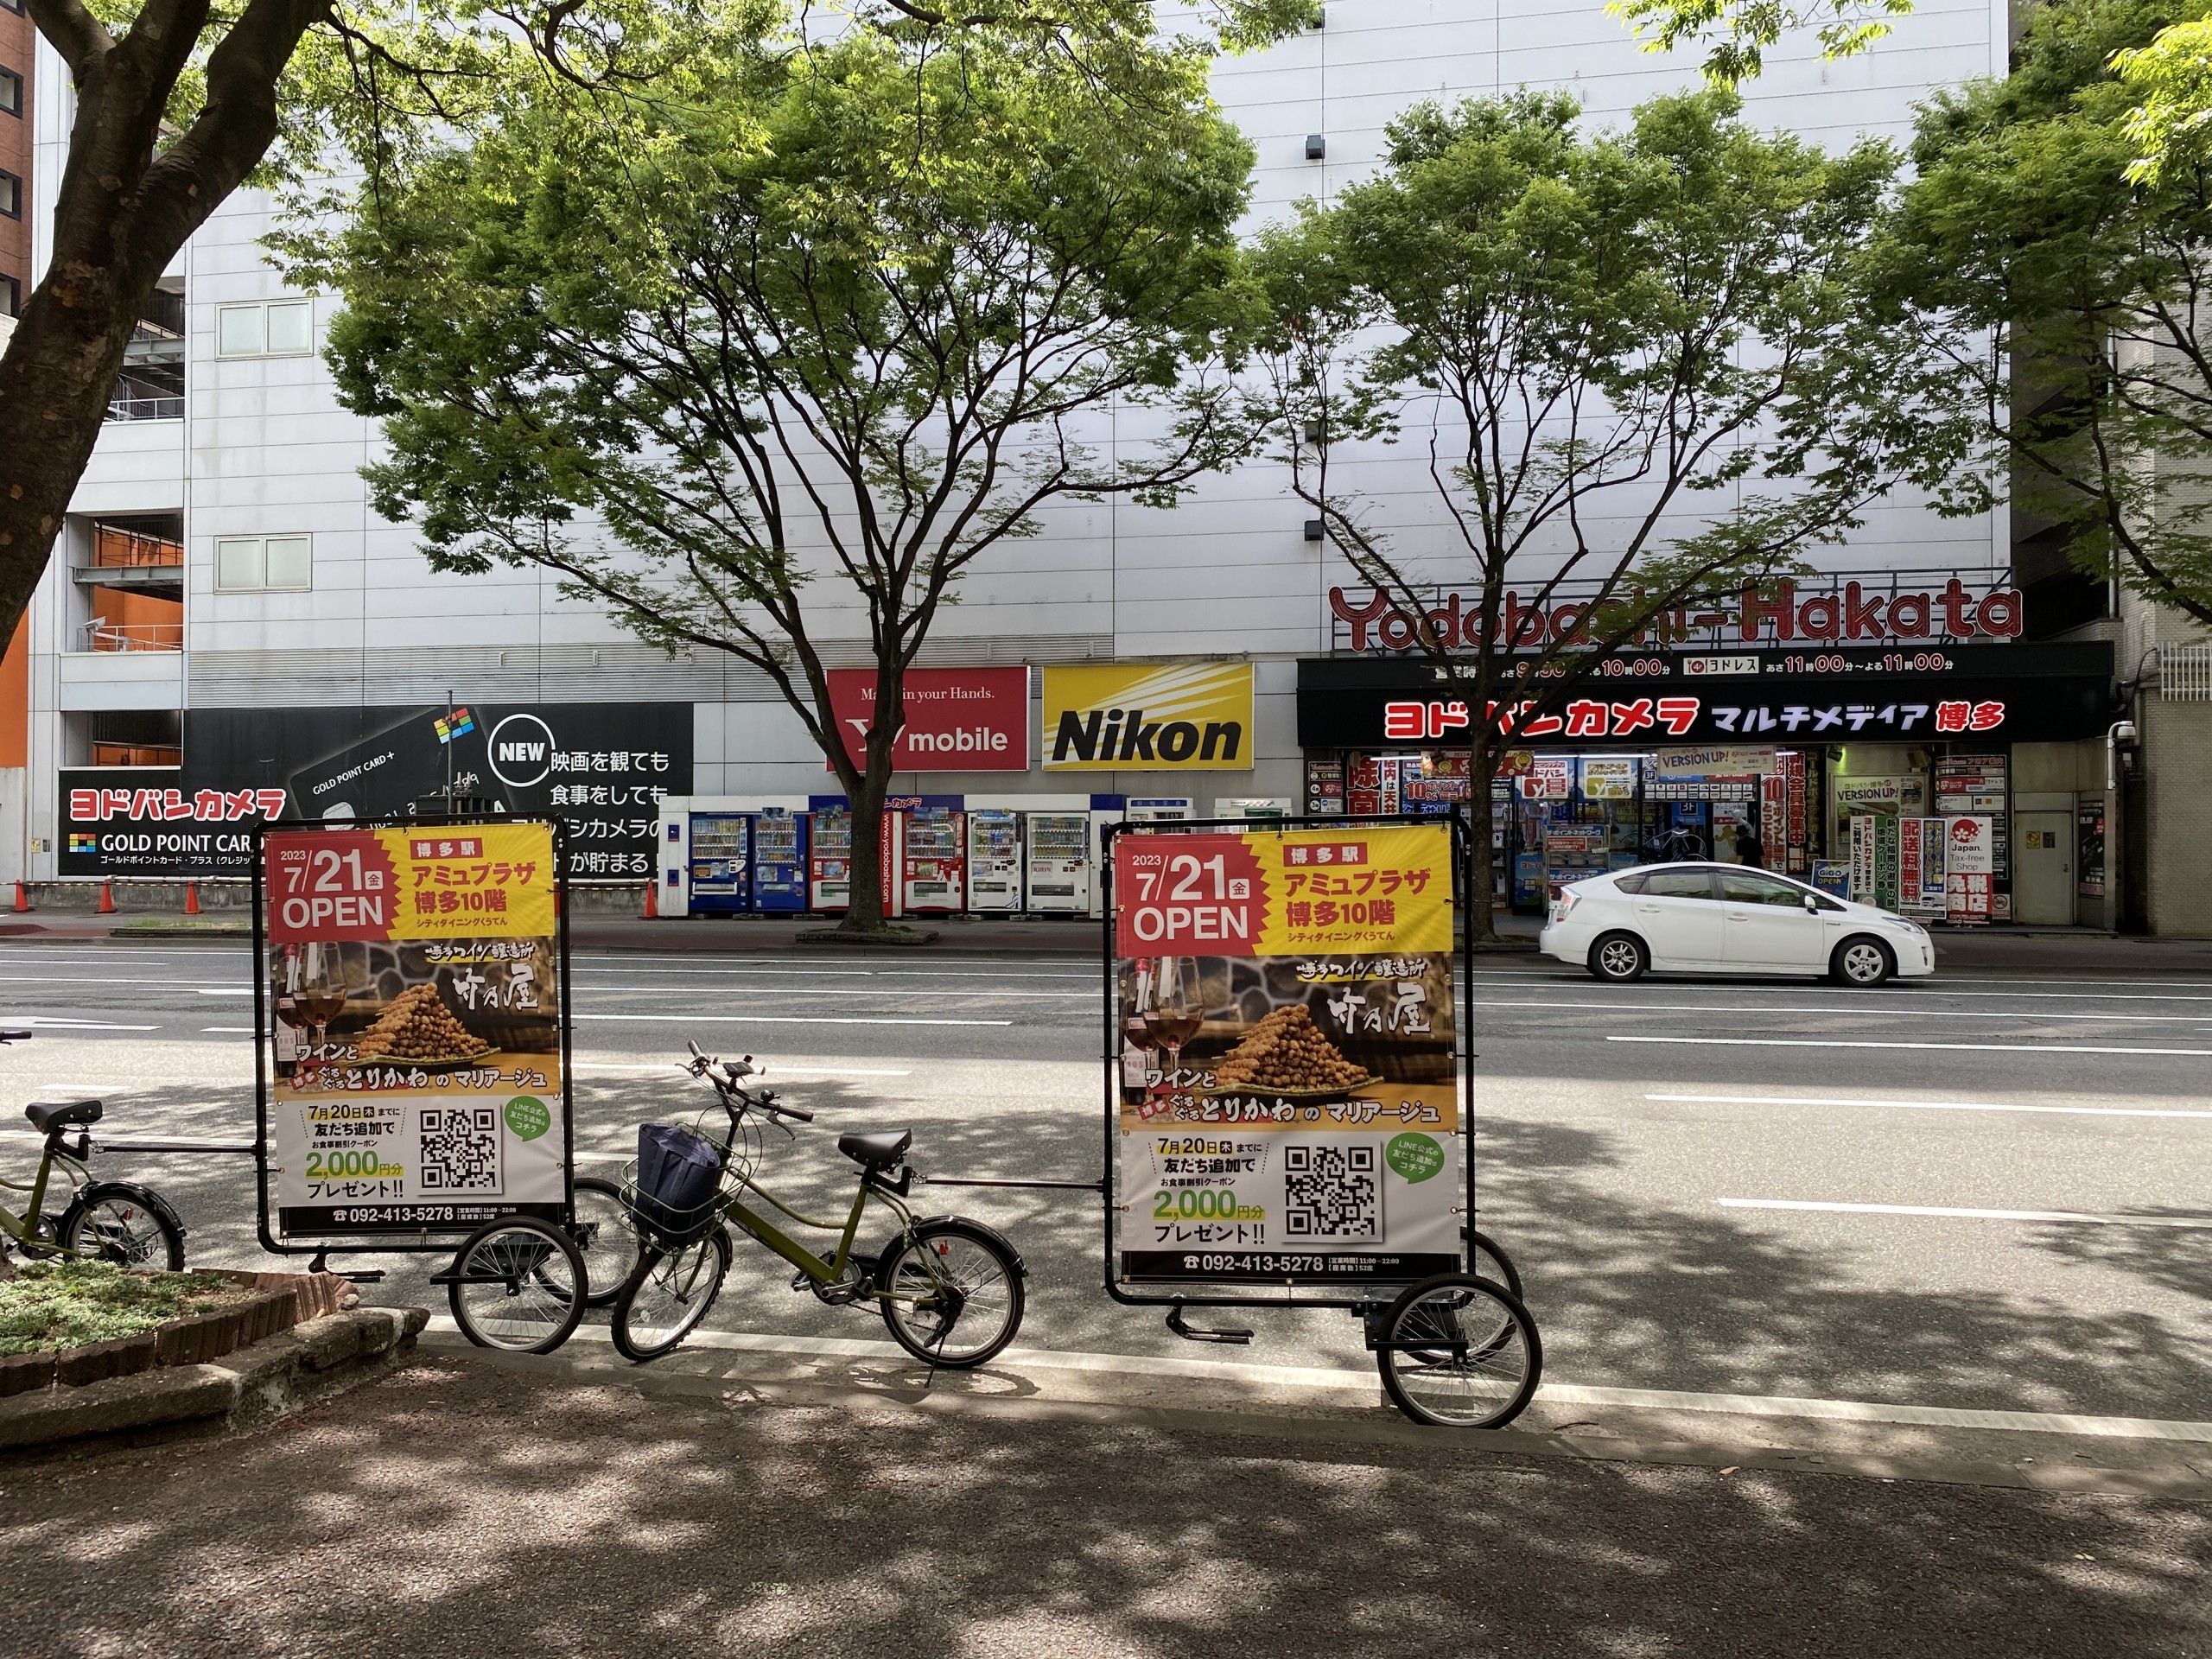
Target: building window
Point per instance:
(11, 297)
(281, 328)
(11, 196)
(264, 564)
(16, 6)
(11, 92)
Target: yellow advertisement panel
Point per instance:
(1148, 716)
(1289, 1101)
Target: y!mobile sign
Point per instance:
(957, 719)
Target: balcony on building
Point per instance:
(130, 572)
(133, 737)
(151, 386)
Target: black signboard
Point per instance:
(2003, 694)
(601, 768)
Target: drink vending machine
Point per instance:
(780, 860)
(994, 859)
(934, 865)
(721, 863)
(829, 859)
(1060, 862)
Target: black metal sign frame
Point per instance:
(1290, 1292)
(438, 1240)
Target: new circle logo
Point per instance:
(521, 751)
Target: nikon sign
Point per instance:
(1149, 717)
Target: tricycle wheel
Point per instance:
(518, 1284)
(1459, 1352)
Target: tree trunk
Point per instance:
(55, 381)
(869, 787)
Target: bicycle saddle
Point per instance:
(47, 1116)
(877, 1151)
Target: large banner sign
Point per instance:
(1289, 1101)
(955, 719)
(1149, 717)
(601, 768)
(415, 1010)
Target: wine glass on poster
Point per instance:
(1177, 1010)
(322, 994)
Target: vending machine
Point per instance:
(1060, 862)
(933, 866)
(994, 859)
(721, 863)
(829, 859)
(779, 862)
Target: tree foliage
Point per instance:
(765, 361)
(2059, 293)
(1633, 361)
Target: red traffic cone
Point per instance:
(107, 897)
(23, 900)
(652, 900)
(192, 898)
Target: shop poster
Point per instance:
(414, 1010)
(1288, 1095)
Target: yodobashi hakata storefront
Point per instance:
(1760, 754)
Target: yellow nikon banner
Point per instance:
(1148, 716)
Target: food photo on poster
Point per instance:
(1289, 1098)
(602, 768)
(414, 994)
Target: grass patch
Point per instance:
(68, 1303)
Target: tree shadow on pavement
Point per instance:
(460, 1509)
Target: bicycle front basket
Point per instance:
(678, 1181)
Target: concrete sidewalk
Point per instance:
(2029, 952)
(509, 1507)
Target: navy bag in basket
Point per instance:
(678, 1171)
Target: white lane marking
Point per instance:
(585, 1069)
(771, 1020)
(42, 1022)
(1364, 1381)
(783, 965)
(1891, 993)
(771, 959)
(1840, 1007)
(231, 1030)
(140, 982)
(2080, 1216)
(242, 991)
(786, 990)
(1925, 1105)
(1986, 1048)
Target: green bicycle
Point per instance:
(950, 1290)
(114, 1221)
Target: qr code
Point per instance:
(1330, 1192)
(461, 1149)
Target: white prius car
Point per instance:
(1717, 919)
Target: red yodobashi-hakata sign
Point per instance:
(958, 719)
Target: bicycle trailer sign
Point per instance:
(1289, 1107)
(413, 1009)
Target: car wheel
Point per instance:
(1862, 962)
(1620, 957)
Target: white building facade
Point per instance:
(227, 616)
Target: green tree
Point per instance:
(2058, 294)
(1633, 361)
(765, 362)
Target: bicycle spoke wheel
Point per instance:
(950, 1292)
(607, 1235)
(666, 1295)
(518, 1284)
(1459, 1352)
(110, 1222)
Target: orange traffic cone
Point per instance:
(192, 898)
(23, 900)
(652, 900)
(107, 897)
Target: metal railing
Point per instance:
(2186, 673)
(146, 408)
(115, 549)
(102, 635)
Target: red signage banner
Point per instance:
(958, 719)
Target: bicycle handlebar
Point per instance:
(724, 1076)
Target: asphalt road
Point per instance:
(1982, 1191)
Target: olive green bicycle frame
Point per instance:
(24, 1228)
(760, 1228)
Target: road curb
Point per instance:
(1379, 1428)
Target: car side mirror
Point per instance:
(1812, 903)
